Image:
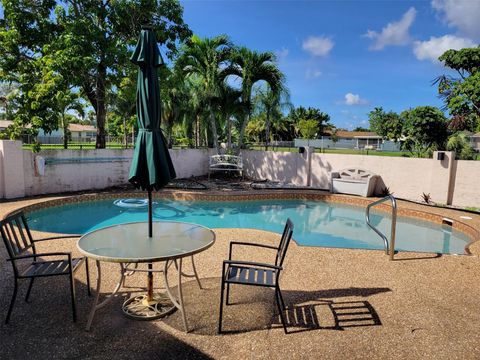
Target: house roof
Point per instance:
(79, 128)
(356, 134)
(72, 127)
(5, 123)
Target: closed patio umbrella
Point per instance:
(152, 167)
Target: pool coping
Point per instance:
(249, 195)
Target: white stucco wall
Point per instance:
(75, 170)
(285, 167)
(467, 184)
(406, 177)
(13, 183)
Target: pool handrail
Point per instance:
(389, 246)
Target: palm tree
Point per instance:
(272, 104)
(66, 101)
(230, 106)
(174, 95)
(208, 59)
(194, 108)
(253, 66)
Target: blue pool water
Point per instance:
(317, 223)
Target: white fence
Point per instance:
(447, 181)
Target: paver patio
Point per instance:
(418, 306)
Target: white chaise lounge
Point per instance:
(354, 181)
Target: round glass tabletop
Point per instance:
(130, 242)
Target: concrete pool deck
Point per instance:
(343, 304)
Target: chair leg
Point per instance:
(221, 306)
(280, 296)
(29, 289)
(72, 295)
(88, 276)
(14, 296)
(280, 310)
(227, 302)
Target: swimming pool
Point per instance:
(317, 223)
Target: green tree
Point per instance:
(230, 107)
(272, 104)
(301, 113)
(84, 40)
(461, 145)
(123, 104)
(461, 94)
(253, 67)
(255, 129)
(388, 125)
(362, 129)
(207, 59)
(425, 129)
(308, 128)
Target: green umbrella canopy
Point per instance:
(152, 167)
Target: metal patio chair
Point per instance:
(20, 246)
(255, 273)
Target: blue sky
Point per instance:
(347, 57)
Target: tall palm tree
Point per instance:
(194, 108)
(174, 96)
(207, 58)
(272, 104)
(253, 66)
(230, 106)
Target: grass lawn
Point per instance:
(342, 151)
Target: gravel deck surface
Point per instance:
(342, 304)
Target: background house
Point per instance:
(475, 141)
(351, 140)
(78, 133)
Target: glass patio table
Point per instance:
(129, 244)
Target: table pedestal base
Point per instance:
(139, 308)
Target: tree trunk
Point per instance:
(213, 126)
(197, 134)
(229, 133)
(65, 133)
(101, 110)
(125, 142)
(267, 131)
(133, 135)
(242, 132)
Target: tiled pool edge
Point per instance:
(470, 231)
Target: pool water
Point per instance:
(317, 223)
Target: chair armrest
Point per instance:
(251, 263)
(58, 237)
(248, 244)
(69, 255)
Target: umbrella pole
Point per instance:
(149, 306)
(150, 234)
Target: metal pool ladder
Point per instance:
(389, 247)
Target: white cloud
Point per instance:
(354, 99)
(462, 14)
(282, 53)
(318, 45)
(312, 73)
(436, 46)
(395, 33)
